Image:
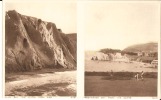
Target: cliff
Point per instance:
(32, 44)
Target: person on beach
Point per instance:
(141, 75)
(137, 76)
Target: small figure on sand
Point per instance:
(141, 76)
(137, 76)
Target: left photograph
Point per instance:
(40, 48)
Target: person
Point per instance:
(142, 73)
(137, 76)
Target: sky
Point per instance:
(119, 25)
(63, 14)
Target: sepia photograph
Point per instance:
(121, 48)
(116, 56)
(40, 48)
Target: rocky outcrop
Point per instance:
(32, 44)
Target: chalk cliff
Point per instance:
(32, 44)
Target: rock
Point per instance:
(32, 44)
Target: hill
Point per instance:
(147, 47)
(32, 44)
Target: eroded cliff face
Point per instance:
(32, 44)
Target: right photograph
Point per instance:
(121, 48)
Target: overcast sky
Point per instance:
(63, 14)
(118, 25)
